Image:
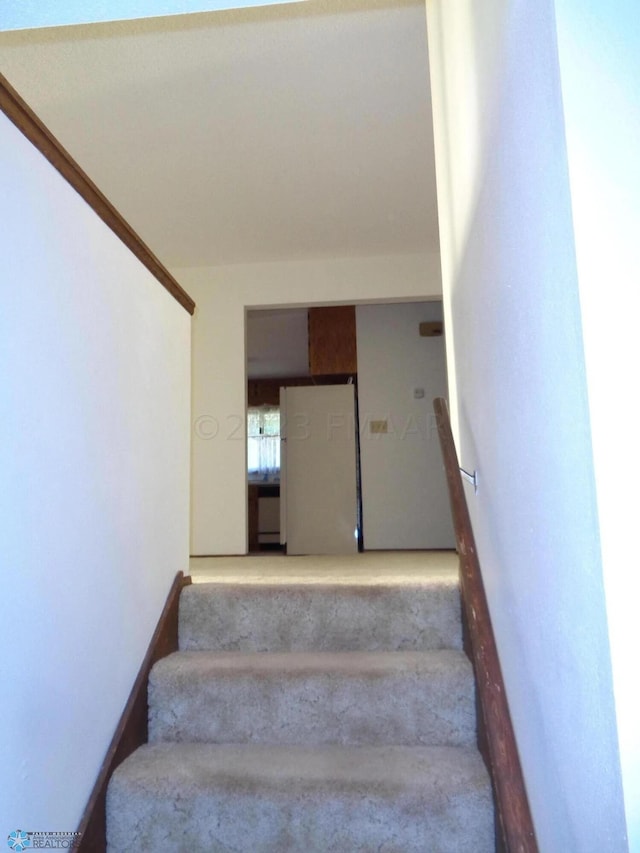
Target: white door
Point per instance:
(318, 476)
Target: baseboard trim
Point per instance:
(132, 729)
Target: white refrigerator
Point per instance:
(318, 471)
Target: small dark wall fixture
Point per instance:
(431, 330)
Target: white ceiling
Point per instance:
(301, 130)
(277, 343)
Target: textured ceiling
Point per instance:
(301, 130)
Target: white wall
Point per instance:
(94, 462)
(517, 364)
(599, 49)
(405, 502)
(219, 504)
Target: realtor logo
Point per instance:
(19, 840)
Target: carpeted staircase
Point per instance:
(313, 718)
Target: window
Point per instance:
(263, 443)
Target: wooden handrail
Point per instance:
(19, 112)
(496, 739)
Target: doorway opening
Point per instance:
(289, 349)
(397, 368)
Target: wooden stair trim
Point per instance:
(496, 739)
(132, 729)
(28, 123)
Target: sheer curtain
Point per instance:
(263, 443)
